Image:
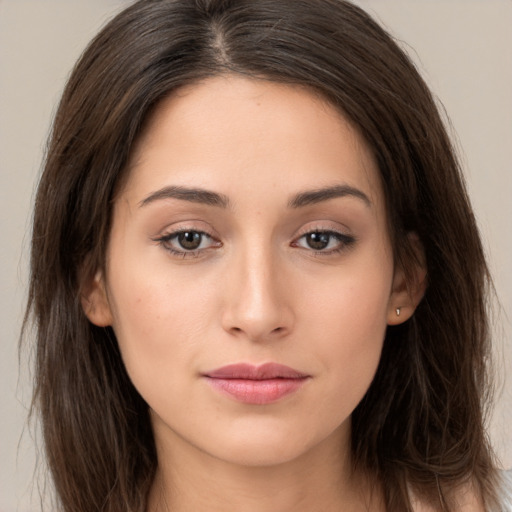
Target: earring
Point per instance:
(398, 311)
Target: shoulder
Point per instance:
(468, 500)
(506, 491)
(465, 499)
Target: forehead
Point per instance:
(245, 134)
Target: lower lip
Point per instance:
(257, 392)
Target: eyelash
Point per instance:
(165, 240)
(344, 242)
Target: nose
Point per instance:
(258, 302)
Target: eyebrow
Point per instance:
(193, 195)
(207, 197)
(310, 197)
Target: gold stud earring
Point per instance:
(398, 311)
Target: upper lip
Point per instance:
(251, 372)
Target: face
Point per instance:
(249, 276)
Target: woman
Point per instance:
(248, 238)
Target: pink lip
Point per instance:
(257, 385)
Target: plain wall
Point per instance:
(462, 47)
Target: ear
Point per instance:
(408, 288)
(95, 301)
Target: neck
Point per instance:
(320, 479)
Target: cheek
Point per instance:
(352, 304)
(160, 320)
(348, 320)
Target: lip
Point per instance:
(257, 385)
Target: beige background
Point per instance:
(462, 47)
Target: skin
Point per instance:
(255, 291)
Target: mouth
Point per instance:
(256, 385)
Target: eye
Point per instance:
(324, 241)
(187, 242)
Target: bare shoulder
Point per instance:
(465, 499)
(469, 500)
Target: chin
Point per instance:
(273, 444)
(262, 454)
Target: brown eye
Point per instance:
(188, 243)
(318, 241)
(326, 242)
(189, 240)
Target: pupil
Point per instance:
(189, 240)
(318, 240)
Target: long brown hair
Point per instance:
(420, 425)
